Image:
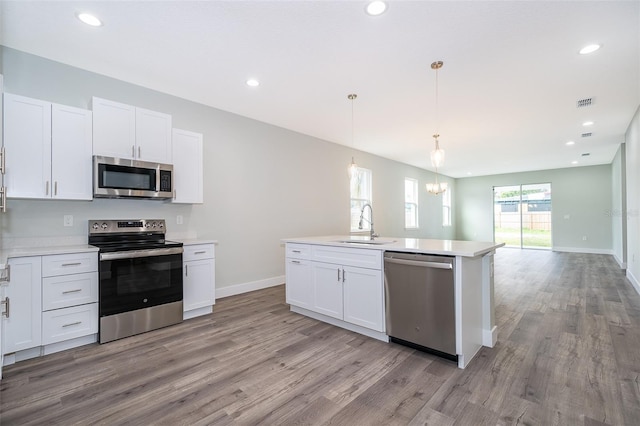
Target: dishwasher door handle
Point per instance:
(438, 265)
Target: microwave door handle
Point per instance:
(116, 255)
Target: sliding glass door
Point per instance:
(522, 215)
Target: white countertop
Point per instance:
(410, 245)
(195, 241)
(5, 254)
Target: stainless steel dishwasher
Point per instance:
(420, 305)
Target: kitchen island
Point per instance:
(340, 280)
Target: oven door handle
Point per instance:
(140, 253)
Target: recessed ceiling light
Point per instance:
(253, 82)
(587, 123)
(469, 173)
(376, 8)
(89, 19)
(589, 49)
(570, 143)
(574, 162)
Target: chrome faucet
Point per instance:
(373, 234)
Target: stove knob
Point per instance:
(148, 224)
(154, 224)
(160, 225)
(104, 226)
(95, 226)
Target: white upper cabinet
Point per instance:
(187, 167)
(48, 149)
(153, 136)
(125, 131)
(71, 167)
(114, 129)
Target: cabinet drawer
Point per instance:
(69, 290)
(74, 263)
(198, 251)
(298, 251)
(69, 323)
(364, 258)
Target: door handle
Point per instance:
(6, 304)
(3, 163)
(3, 199)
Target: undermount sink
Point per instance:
(366, 241)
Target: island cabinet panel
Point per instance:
(341, 283)
(299, 283)
(363, 300)
(327, 289)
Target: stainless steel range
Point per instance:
(140, 276)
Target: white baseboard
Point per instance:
(634, 281)
(583, 250)
(232, 290)
(623, 265)
(490, 337)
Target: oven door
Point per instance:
(132, 280)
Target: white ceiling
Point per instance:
(507, 91)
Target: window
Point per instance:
(360, 195)
(410, 203)
(446, 207)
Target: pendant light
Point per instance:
(353, 167)
(437, 155)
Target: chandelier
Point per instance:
(437, 155)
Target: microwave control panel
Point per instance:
(165, 181)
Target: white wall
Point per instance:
(262, 183)
(619, 207)
(583, 193)
(632, 142)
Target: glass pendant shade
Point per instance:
(437, 188)
(437, 156)
(353, 169)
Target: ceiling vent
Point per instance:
(581, 103)
(586, 135)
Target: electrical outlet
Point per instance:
(584, 238)
(68, 220)
(179, 219)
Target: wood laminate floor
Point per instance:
(568, 353)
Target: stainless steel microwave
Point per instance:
(124, 178)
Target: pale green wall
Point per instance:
(262, 183)
(583, 193)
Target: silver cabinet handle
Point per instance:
(139, 152)
(5, 302)
(71, 264)
(72, 291)
(338, 274)
(200, 252)
(133, 151)
(3, 199)
(174, 194)
(344, 275)
(296, 251)
(46, 190)
(186, 270)
(55, 188)
(297, 262)
(73, 323)
(3, 163)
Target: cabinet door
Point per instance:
(153, 136)
(27, 141)
(114, 129)
(327, 289)
(71, 150)
(198, 284)
(187, 167)
(299, 283)
(23, 327)
(363, 297)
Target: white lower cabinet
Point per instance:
(346, 291)
(22, 323)
(198, 281)
(53, 304)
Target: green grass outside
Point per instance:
(530, 237)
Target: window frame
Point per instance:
(414, 202)
(446, 208)
(360, 199)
